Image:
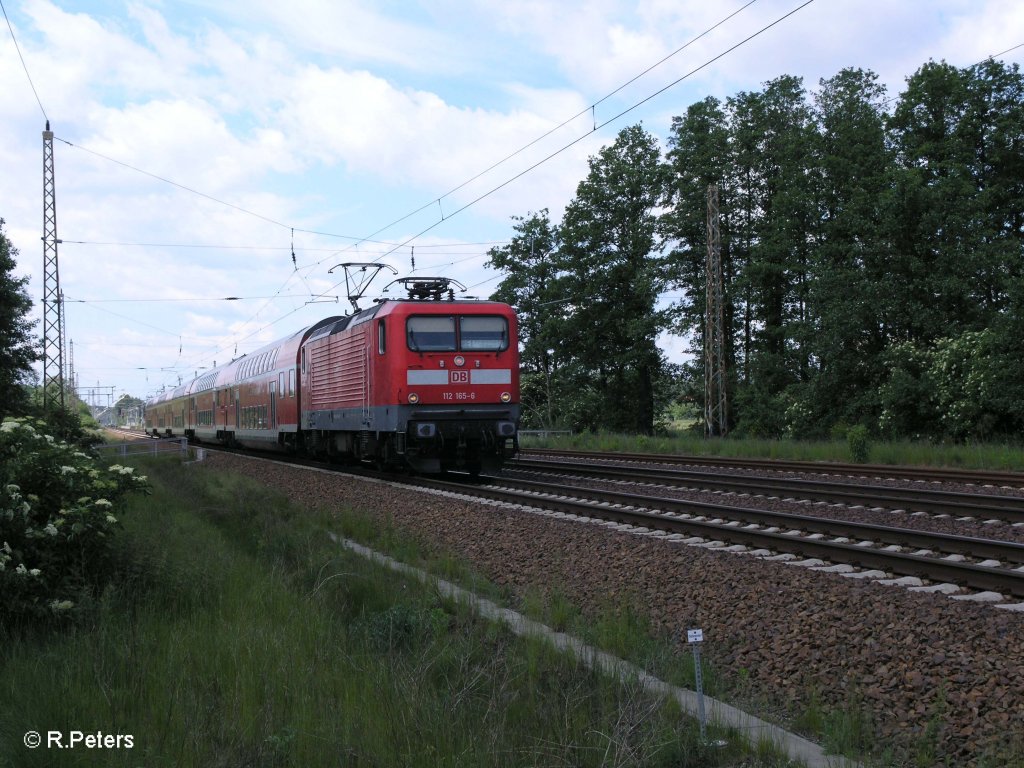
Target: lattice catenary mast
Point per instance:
(53, 309)
(715, 410)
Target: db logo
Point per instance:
(460, 377)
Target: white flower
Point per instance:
(103, 503)
(51, 529)
(61, 605)
(21, 569)
(7, 548)
(111, 519)
(66, 470)
(14, 490)
(34, 572)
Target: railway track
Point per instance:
(1009, 509)
(967, 562)
(943, 562)
(927, 474)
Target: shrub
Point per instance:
(57, 514)
(859, 443)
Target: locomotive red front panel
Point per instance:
(454, 378)
(456, 358)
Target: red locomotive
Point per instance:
(429, 382)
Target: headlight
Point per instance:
(414, 398)
(506, 397)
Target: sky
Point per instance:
(199, 145)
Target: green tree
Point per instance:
(958, 233)
(774, 230)
(698, 156)
(851, 292)
(17, 348)
(614, 274)
(532, 286)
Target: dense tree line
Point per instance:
(17, 346)
(872, 250)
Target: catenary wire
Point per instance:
(565, 122)
(599, 126)
(436, 201)
(596, 128)
(24, 65)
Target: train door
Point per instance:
(367, 388)
(238, 408)
(273, 405)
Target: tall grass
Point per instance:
(238, 635)
(997, 456)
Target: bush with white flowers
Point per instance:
(58, 509)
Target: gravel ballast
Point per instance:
(932, 672)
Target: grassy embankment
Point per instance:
(238, 635)
(995, 456)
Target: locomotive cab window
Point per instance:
(482, 333)
(431, 333)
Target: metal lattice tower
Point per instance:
(715, 411)
(53, 310)
(70, 366)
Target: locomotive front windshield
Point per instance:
(472, 333)
(431, 334)
(480, 333)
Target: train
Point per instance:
(427, 383)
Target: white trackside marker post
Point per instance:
(695, 637)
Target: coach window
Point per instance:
(431, 333)
(381, 338)
(483, 333)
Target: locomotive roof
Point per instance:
(387, 306)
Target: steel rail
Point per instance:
(1007, 508)
(964, 574)
(932, 474)
(886, 535)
